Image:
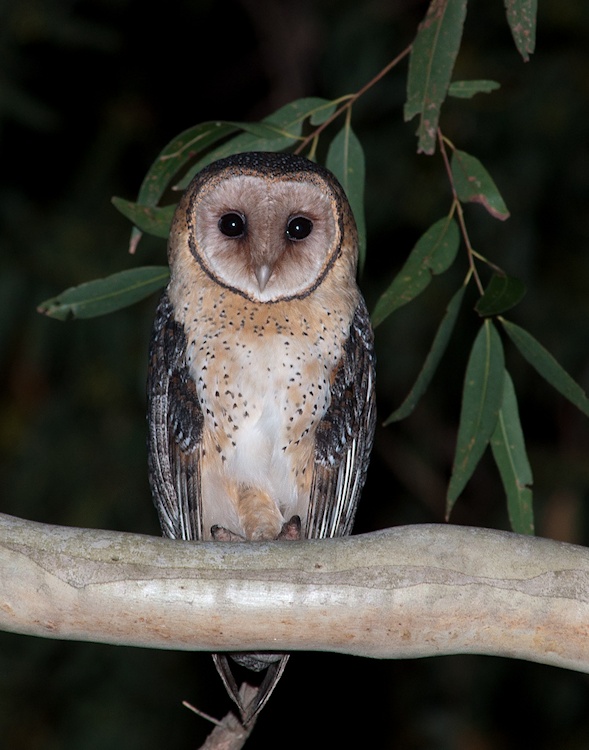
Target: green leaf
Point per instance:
(172, 159)
(432, 59)
(502, 293)
(323, 112)
(345, 158)
(432, 360)
(154, 221)
(467, 89)
(176, 154)
(509, 451)
(521, 17)
(259, 130)
(545, 364)
(106, 295)
(290, 117)
(433, 253)
(474, 184)
(481, 400)
(284, 129)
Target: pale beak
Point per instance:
(263, 273)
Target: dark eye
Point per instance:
(298, 228)
(232, 224)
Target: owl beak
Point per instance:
(263, 273)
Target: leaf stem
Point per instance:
(457, 206)
(497, 269)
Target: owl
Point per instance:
(261, 405)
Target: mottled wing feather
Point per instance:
(344, 436)
(273, 674)
(175, 424)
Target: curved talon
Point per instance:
(291, 529)
(221, 534)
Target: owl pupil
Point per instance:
(298, 228)
(232, 224)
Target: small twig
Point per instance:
(353, 98)
(202, 714)
(229, 733)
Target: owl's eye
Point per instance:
(232, 224)
(298, 228)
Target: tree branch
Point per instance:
(404, 592)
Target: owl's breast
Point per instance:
(263, 373)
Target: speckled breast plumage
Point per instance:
(263, 375)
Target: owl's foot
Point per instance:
(221, 534)
(291, 530)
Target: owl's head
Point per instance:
(268, 226)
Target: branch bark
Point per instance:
(405, 592)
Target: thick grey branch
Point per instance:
(405, 592)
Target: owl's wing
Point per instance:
(175, 424)
(344, 436)
(273, 673)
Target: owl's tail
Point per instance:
(274, 665)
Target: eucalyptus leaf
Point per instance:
(345, 158)
(509, 452)
(106, 295)
(433, 254)
(474, 184)
(323, 112)
(431, 63)
(521, 17)
(176, 155)
(468, 89)
(260, 130)
(502, 293)
(481, 400)
(155, 221)
(432, 360)
(547, 366)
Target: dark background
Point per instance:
(90, 91)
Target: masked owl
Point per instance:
(261, 406)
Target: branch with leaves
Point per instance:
(489, 414)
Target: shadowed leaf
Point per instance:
(154, 221)
(432, 360)
(475, 185)
(431, 63)
(345, 158)
(545, 364)
(481, 401)
(433, 253)
(467, 89)
(521, 17)
(176, 154)
(502, 293)
(322, 112)
(509, 451)
(106, 295)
